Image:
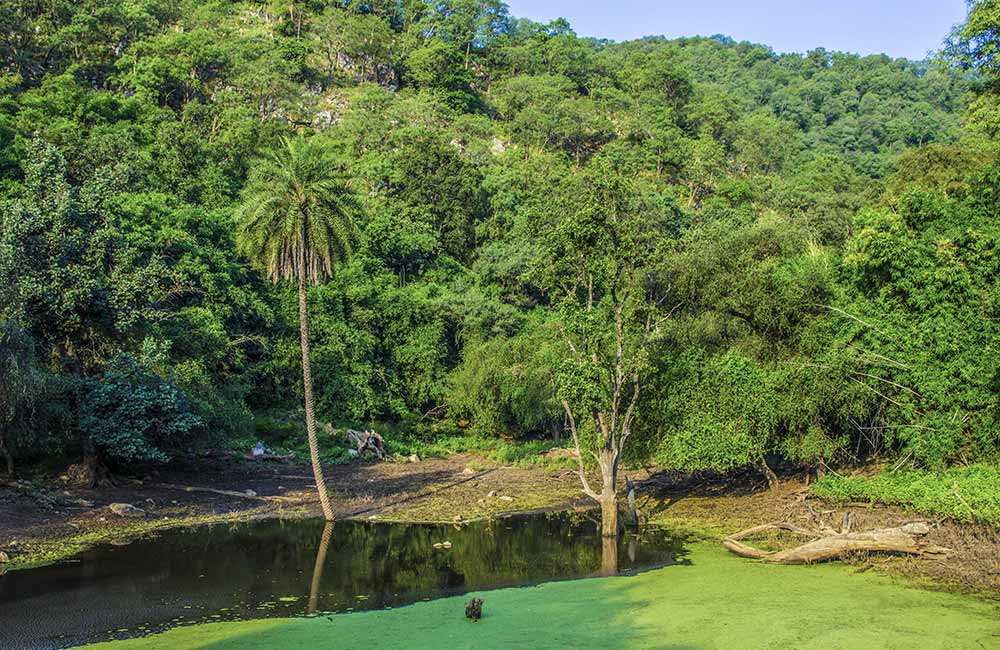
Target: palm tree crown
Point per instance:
(296, 214)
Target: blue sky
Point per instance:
(909, 28)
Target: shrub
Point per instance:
(133, 415)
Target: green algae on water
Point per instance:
(717, 602)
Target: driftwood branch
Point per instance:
(908, 540)
(253, 496)
(367, 441)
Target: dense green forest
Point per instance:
(821, 231)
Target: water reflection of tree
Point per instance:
(324, 544)
(389, 564)
(609, 556)
(280, 568)
(255, 570)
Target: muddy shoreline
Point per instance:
(44, 522)
(48, 522)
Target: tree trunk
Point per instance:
(7, 458)
(90, 471)
(609, 493)
(324, 497)
(91, 460)
(907, 539)
(609, 513)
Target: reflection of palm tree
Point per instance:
(324, 543)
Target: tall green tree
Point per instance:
(296, 222)
(601, 273)
(975, 45)
(21, 383)
(67, 273)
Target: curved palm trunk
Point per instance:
(324, 497)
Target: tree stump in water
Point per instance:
(474, 609)
(367, 441)
(906, 540)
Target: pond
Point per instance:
(295, 568)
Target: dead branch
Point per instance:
(365, 441)
(227, 493)
(907, 540)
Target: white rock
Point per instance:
(126, 510)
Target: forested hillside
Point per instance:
(824, 227)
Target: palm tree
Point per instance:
(295, 221)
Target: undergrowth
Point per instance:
(283, 437)
(965, 494)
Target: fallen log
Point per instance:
(907, 540)
(367, 441)
(249, 494)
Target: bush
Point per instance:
(133, 415)
(505, 386)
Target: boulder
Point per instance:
(127, 510)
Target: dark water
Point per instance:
(278, 568)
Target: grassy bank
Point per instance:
(964, 494)
(717, 601)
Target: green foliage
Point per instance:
(963, 493)
(434, 185)
(505, 386)
(134, 416)
(30, 399)
(439, 68)
(819, 230)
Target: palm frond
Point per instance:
(296, 216)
